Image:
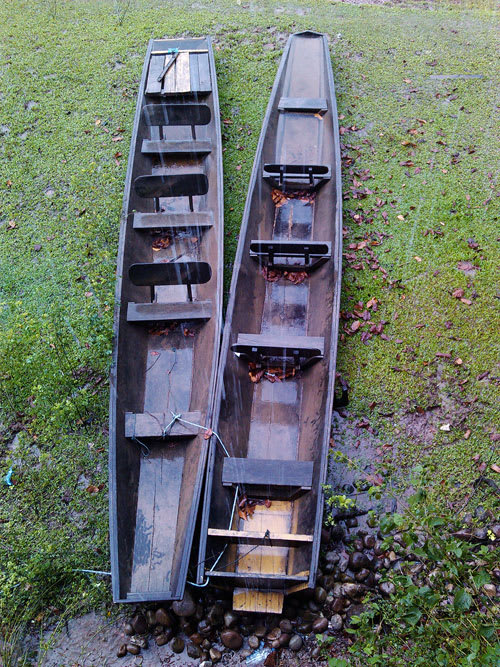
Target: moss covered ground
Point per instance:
(416, 87)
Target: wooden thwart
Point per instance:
(312, 253)
(167, 147)
(267, 472)
(304, 104)
(260, 538)
(147, 313)
(304, 350)
(153, 425)
(194, 220)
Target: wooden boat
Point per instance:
(263, 505)
(167, 321)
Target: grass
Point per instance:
(69, 74)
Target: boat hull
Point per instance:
(275, 387)
(167, 322)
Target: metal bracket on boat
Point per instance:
(313, 254)
(297, 176)
(261, 349)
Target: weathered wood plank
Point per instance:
(153, 86)
(197, 219)
(254, 537)
(177, 147)
(153, 425)
(283, 344)
(305, 104)
(182, 75)
(263, 472)
(169, 312)
(204, 73)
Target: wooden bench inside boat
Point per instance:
(313, 253)
(161, 425)
(304, 177)
(269, 478)
(170, 273)
(260, 538)
(260, 348)
(154, 186)
(303, 104)
(193, 220)
(162, 115)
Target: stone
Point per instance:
(320, 594)
(357, 561)
(490, 590)
(141, 642)
(362, 574)
(335, 623)
(206, 644)
(163, 617)
(204, 628)
(275, 633)
(231, 639)
(230, 619)
(387, 588)
(496, 530)
(358, 544)
(369, 541)
(215, 654)
(260, 631)
(177, 645)
(122, 651)
(215, 615)
(193, 651)
(253, 642)
(285, 625)
(337, 605)
(139, 624)
(206, 663)
(196, 638)
(151, 618)
(283, 640)
(162, 639)
(128, 629)
(184, 607)
(337, 533)
(353, 591)
(320, 625)
(133, 649)
(352, 523)
(295, 643)
(316, 653)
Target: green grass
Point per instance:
(69, 75)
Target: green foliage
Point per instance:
(446, 618)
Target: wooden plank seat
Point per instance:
(297, 176)
(260, 538)
(303, 104)
(189, 220)
(170, 273)
(176, 147)
(164, 115)
(189, 74)
(269, 478)
(261, 348)
(312, 253)
(169, 312)
(258, 580)
(155, 425)
(154, 186)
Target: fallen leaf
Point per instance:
(467, 434)
(458, 362)
(400, 217)
(92, 489)
(444, 427)
(208, 434)
(495, 468)
(37, 247)
(467, 302)
(417, 258)
(458, 293)
(355, 325)
(11, 224)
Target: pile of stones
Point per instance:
(353, 564)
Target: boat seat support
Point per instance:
(260, 348)
(190, 220)
(302, 177)
(161, 425)
(173, 185)
(260, 538)
(269, 478)
(170, 273)
(303, 104)
(161, 115)
(312, 253)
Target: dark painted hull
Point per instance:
(277, 432)
(166, 345)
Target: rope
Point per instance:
(205, 428)
(78, 569)
(146, 451)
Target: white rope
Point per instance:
(205, 428)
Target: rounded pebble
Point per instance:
(335, 623)
(231, 639)
(320, 625)
(177, 645)
(122, 651)
(184, 607)
(139, 624)
(295, 643)
(133, 649)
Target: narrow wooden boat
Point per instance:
(167, 321)
(263, 505)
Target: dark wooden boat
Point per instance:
(167, 321)
(263, 505)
